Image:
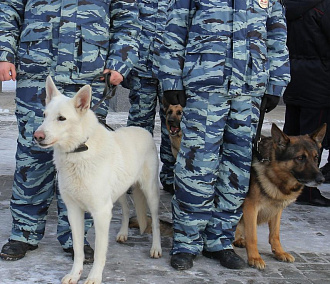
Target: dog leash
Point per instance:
(108, 93)
(257, 138)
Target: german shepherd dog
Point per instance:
(173, 115)
(288, 164)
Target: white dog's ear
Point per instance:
(51, 90)
(82, 99)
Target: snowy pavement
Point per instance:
(305, 232)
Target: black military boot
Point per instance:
(228, 258)
(169, 188)
(88, 251)
(182, 261)
(15, 250)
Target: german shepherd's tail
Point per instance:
(141, 208)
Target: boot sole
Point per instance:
(10, 257)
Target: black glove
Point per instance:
(175, 97)
(271, 102)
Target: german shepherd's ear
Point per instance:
(318, 134)
(83, 98)
(51, 90)
(280, 139)
(165, 104)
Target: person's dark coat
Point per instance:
(308, 23)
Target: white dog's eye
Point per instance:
(61, 118)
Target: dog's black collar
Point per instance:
(258, 155)
(81, 148)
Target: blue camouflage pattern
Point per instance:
(226, 55)
(73, 41)
(91, 36)
(210, 188)
(145, 91)
(239, 51)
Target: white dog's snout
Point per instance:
(39, 135)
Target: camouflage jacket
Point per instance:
(152, 16)
(72, 40)
(234, 47)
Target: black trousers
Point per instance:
(300, 121)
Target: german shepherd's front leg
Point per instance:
(250, 214)
(274, 239)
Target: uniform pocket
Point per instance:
(94, 50)
(35, 50)
(258, 65)
(205, 62)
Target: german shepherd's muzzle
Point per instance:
(173, 115)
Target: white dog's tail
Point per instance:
(140, 203)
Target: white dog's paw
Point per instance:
(93, 281)
(155, 252)
(121, 237)
(70, 279)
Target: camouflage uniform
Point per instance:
(226, 55)
(73, 41)
(143, 81)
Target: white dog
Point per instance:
(95, 169)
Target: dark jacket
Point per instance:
(308, 23)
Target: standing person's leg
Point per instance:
(34, 177)
(196, 173)
(143, 100)
(310, 120)
(144, 93)
(326, 144)
(292, 120)
(233, 181)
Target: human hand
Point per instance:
(175, 97)
(116, 78)
(271, 102)
(7, 71)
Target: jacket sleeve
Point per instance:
(278, 55)
(325, 21)
(174, 44)
(124, 32)
(11, 17)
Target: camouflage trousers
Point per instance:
(213, 170)
(34, 184)
(143, 97)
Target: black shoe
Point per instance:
(182, 261)
(15, 250)
(88, 251)
(326, 172)
(228, 258)
(169, 188)
(312, 196)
